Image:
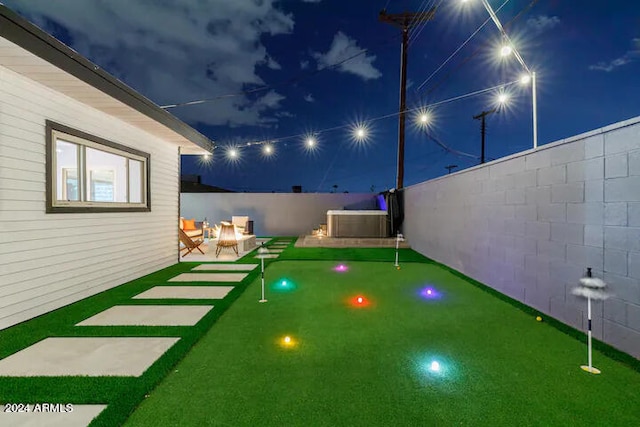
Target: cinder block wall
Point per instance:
(529, 225)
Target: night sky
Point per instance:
(279, 70)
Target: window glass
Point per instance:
(135, 181)
(87, 173)
(67, 187)
(106, 176)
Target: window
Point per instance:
(89, 174)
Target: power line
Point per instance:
(459, 48)
(416, 34)
(295, 79)
(450, 150)
(479, 48)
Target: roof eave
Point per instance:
(28, 36)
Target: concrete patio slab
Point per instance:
(210, 255)
(267, 256)
(80, 416)
(209, 277)
(225, 267)
(91, 356)
(185, 292)
(149, 315)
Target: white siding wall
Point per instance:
(50, 260)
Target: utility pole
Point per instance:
(448, 168)
(405, 21)
(483, 129)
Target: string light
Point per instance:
(423, 118)
(525, 79)
(506, 50)
(360, 131)
(232, 155)
(267, 150)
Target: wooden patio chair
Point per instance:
(189, 243)
(227, 239)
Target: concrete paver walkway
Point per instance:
(185, 292)
(90, 356)
(209, 277)
(149, 315)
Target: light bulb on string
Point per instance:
(360, 133)
(310, 142)
(423, 118)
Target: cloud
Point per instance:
(542, 23)
(626, 58)
(304, 64)
(311, 1)
(271, 63)
(343, 48)
(175, 52)
(309, 98)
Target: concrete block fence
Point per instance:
(530, 224)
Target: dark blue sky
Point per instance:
(585, 54)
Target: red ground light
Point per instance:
(359, 301)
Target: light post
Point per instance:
(507, 49)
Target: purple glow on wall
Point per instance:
(382, 203)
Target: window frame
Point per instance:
(83, 140)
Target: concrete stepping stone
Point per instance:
(90, 356)
(268, 256)
(80, 416)
(275, 251)
(209, 277)
(185, 292)
(225, 267)
(149, 315)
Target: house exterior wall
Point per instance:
(273, 214)
(50, 260)
(529, 226)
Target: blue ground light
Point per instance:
(429, 293)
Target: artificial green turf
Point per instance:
(121, 394)
(353, 254)
(369, 365)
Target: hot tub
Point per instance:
(341, 223)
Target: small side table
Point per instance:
(207, 233)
